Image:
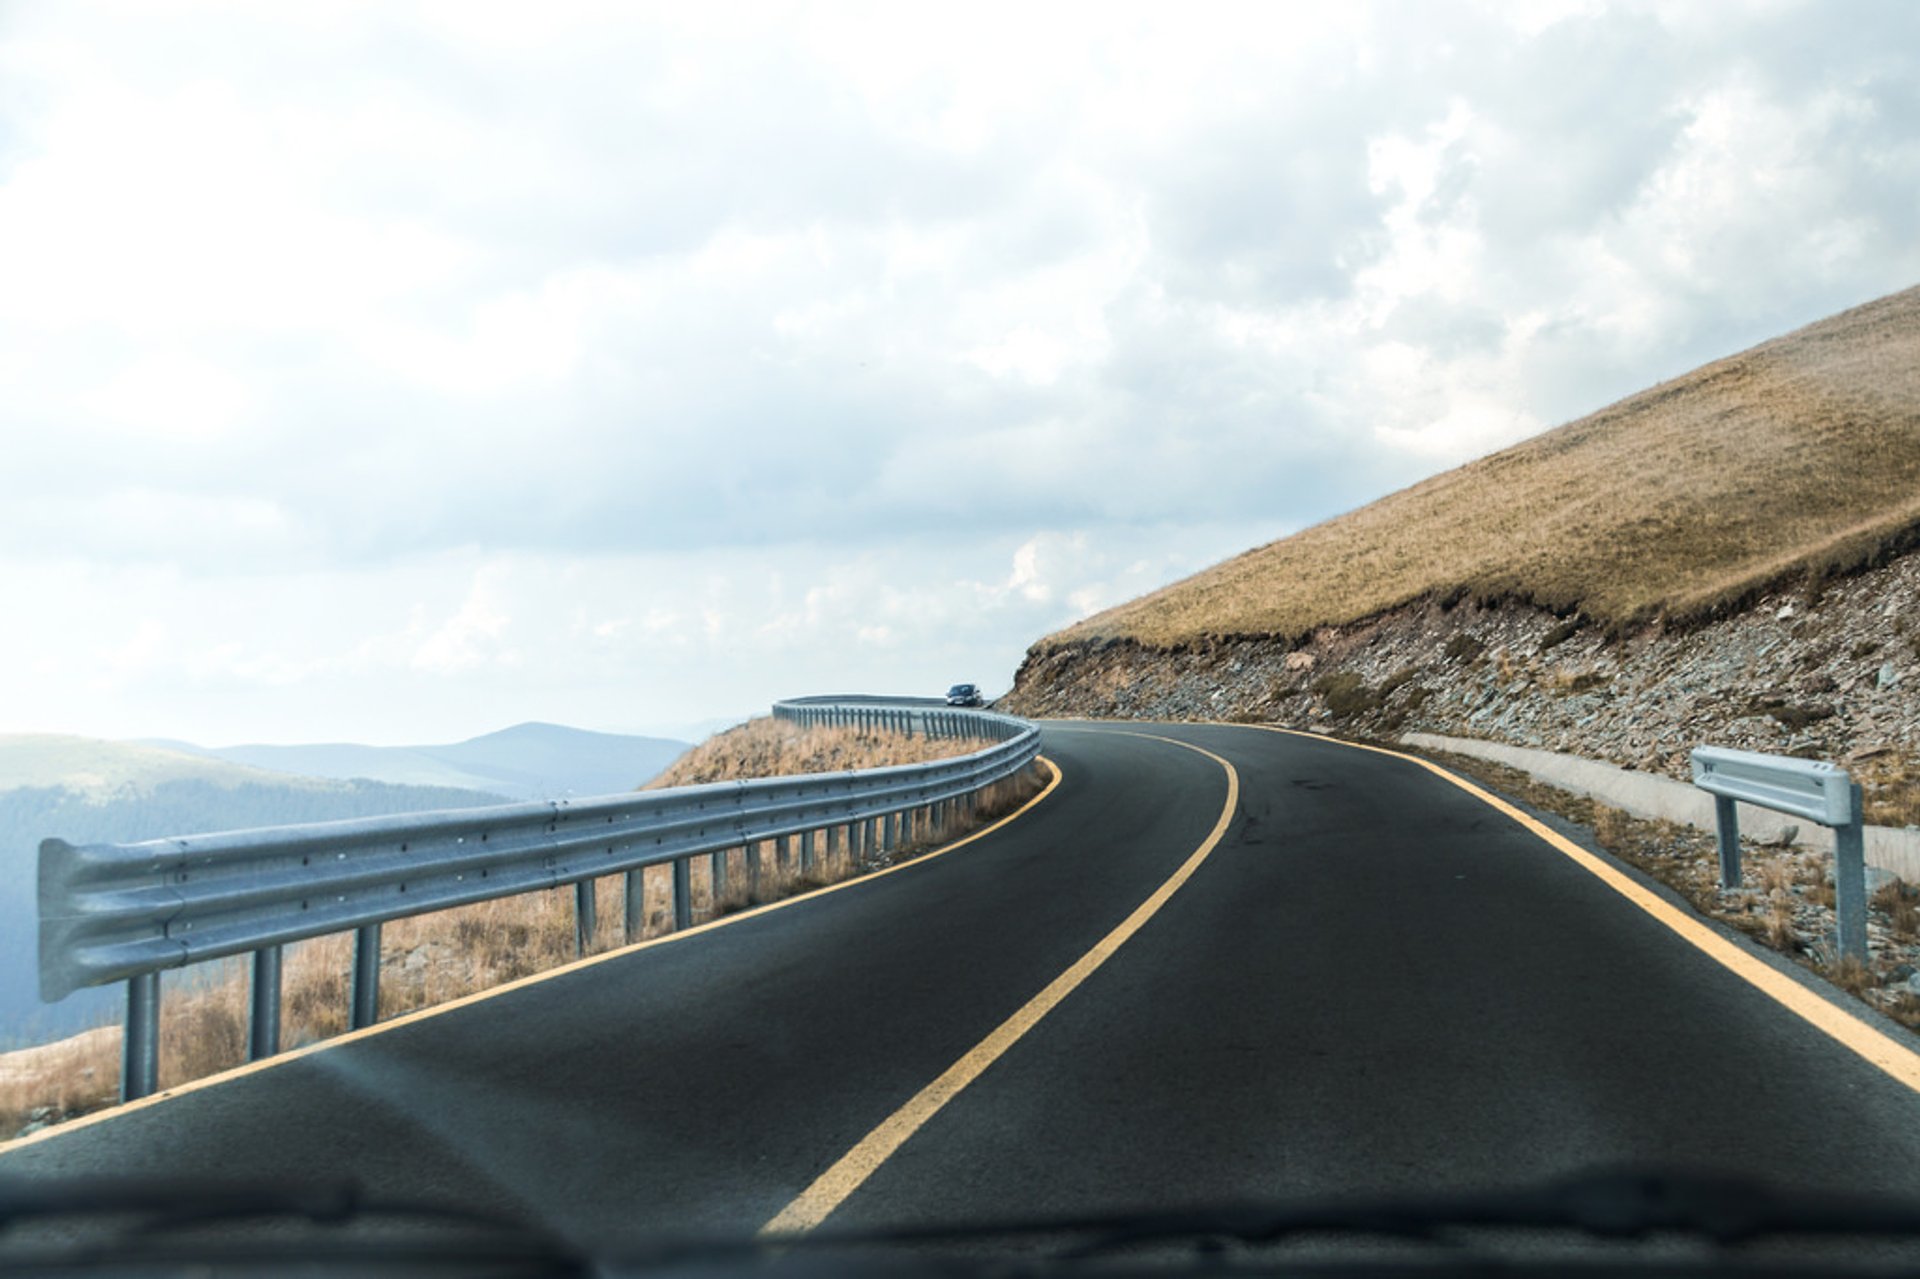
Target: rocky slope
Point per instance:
(1831, 671)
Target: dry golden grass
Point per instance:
(1611, 827)
(768, 747)
(1890, 783)
(430, 959)
(1798, 457)
(1778, 929)
(73, 1076)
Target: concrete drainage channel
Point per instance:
(1892, 850)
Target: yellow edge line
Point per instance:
(831, 1188)
(493, 992)
(1872, 1045)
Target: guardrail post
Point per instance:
(634, 913)
(263, 1019)
(586, 916)
(753, 870)
(717, 878)
(1850, 883)
(365, 998)
(140, 1041)
(682, 893)
(1726, 829)
(806, 851)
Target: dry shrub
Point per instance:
(1778, 930)
(205, 1029)
(1612, 829)
(1887, 896)
(1890, 784)
(1850, 975)
(768, 747)
(1904, 917)
(1905, 1009)
(1775, 876)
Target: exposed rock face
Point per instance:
(1837, 676)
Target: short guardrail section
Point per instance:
(127, 912)
(1819, 792)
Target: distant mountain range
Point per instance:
(527, 761)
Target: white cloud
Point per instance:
(473, 636)
(427, 365)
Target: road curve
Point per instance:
(1370, 980)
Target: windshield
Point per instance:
(490, 498)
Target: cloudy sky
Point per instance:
(397, 373)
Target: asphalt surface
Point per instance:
(1374, 982)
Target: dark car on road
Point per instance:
(965, 695)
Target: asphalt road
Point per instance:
(1373, 982)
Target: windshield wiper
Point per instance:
(156, 1221)
(1616, 1203)
(205, 1223)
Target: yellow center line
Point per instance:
(1872, 1045)
(831, 1188)
(57, 1131)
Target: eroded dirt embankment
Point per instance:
(1832, 672)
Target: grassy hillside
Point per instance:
(527, 761)
(768, 747)
(1799, 456)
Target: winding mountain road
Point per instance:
(1214, 963)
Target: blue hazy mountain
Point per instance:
(527, 761)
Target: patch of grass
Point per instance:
(1792, 716)
(1560, 634)
(1686, 499)
(1398, 680)
(1611, 828)
(1347, 695)
(1890, 783)
(1463, 648)
(1778, 930)
(768, 747)
(1850, 975)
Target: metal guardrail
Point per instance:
(1817, 791)
(127, 912)
(927, 716)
